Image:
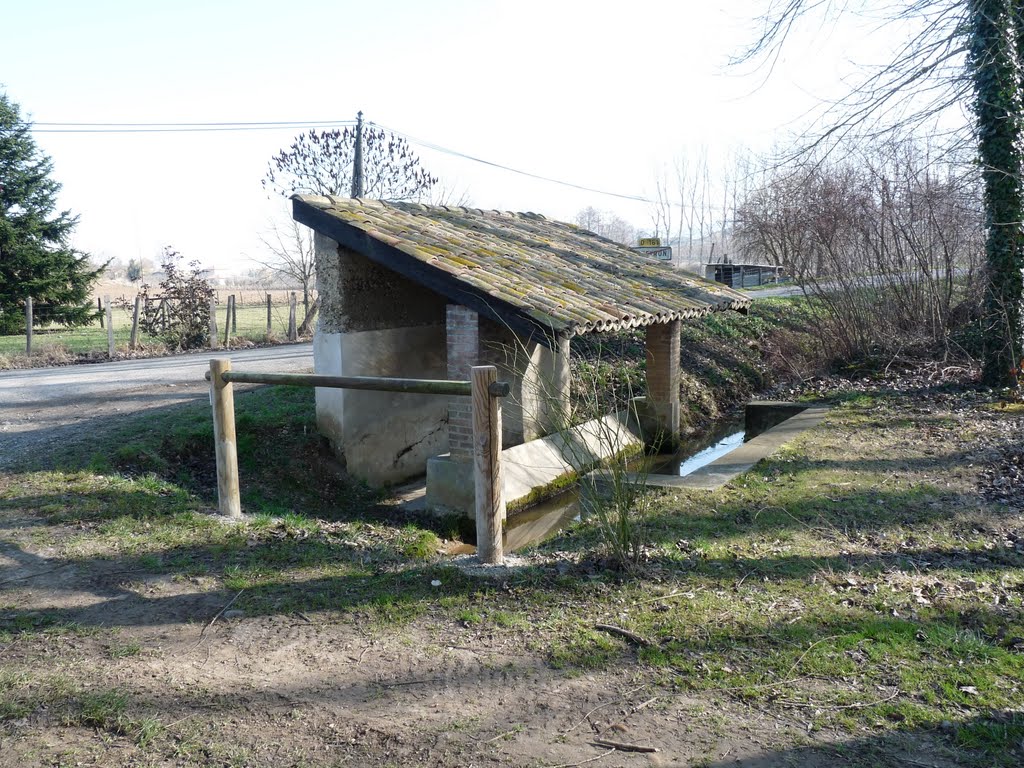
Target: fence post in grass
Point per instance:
(28, 326)
(270, 327)
(487, 480)
(134, 340)
(108, 310)
(293, 331)
(223, 399)
(234, 315)
(227, 321)
(99, 308)
(213, 321)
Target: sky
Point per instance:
(598, 94)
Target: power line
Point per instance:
(206, 127)
(464, 156)
(58, 127)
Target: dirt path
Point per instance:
(320, 689)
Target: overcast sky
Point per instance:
(599, 94)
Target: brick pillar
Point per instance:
(463, 333)
(663, 377)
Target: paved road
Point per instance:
(40, 407)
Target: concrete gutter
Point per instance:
(713, 476)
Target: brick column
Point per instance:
(463, 334)
(663, 377)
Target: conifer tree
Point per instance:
(36, 258)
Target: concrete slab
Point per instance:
(553, 461)
(533, 470)
(713, 476)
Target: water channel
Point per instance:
(545, 519)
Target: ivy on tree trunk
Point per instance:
(995, 65)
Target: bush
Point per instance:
(180, 314)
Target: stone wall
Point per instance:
(374, 322)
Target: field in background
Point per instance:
(59, 345)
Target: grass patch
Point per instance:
(857, 581)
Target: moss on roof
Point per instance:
(557, 275)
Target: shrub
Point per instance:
(180, 314)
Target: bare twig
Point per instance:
(214, 619)
(586, 717)
(669, 596)
(809, 649)
(33, 575)
(622, 746)
(10, 645)
(836, 707)
(633, 637)
(584, 762)
(410, 682)
(503, 735)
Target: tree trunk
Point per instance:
(997, 106)
(307, 322)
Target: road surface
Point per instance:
(43, 407)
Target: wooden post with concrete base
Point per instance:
(490, 493)
(223, 400)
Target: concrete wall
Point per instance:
(373, 322)
(537, 406)
(539, 377)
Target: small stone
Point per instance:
(234, 614)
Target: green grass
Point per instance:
(856, 581)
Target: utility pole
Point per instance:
(357, 165)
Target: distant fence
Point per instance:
(120, 321)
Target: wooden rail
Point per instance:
(484, 388)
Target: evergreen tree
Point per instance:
(35, 257)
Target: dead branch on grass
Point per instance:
(622, 746)
(837, 707)
(214, 620)
(632, 637)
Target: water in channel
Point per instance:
(545, 519)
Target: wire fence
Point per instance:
(243, 318)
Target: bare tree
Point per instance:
(321, 163)
(960, 53)
(887, 244)
(293, 255)
(607, 224)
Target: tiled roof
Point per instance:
(552, 274)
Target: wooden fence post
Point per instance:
(213, 321)
(490, 491)
(293, 331)
(134, 340)
(28, 326)
(270, 327)
(223, 400)
(108, 310)
(234, 315)
(227, 321)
